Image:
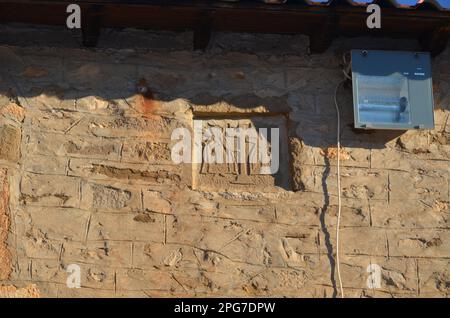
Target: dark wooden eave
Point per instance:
(320, 23)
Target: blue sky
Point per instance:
(444, 3)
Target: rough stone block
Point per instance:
(148, 255)
(48, 97)
(407, 186)
(156, 280)
(237, 240)
(146, 151)
(355, 183)
(364, 240)
(419, 243)
(50, 190)
(351, 155)
(98, 75)
(154, 201)
(106, 254)
(434, 277)
(5, 254)
(12, 111)
(93, 183)
(73, 146)
(110, 197)
(397, 275)
(55, 120)
(154, 127)
(410, 214)
(127, 227)
(125, 172)
(353, 216)
(36, 243)
(92, 276)
(389, 158)
(10, 141)
(45, 164)
(56, 224)
(256, 213)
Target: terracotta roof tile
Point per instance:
(441, 5)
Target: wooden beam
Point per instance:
(91, 21)
(321, 23)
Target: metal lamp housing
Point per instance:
(392, 90)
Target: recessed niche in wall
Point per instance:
(244, 153)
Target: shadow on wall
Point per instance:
(228, 74)
(309, 105)
(150, 86)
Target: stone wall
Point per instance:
(86, 175)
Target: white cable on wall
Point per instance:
(338, 139)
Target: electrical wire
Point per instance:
(346, 75)
(338, 173)
(346, 68)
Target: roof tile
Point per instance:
(441, 5)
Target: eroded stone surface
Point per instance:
(86, 177)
